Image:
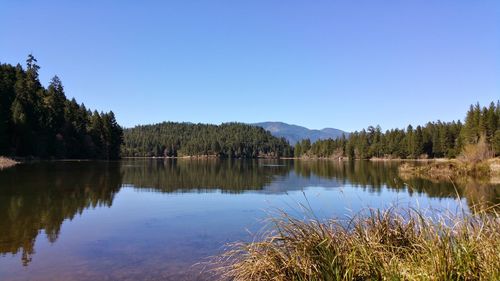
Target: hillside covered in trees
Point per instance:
(229, 140)
(435, 139)
(41, 122)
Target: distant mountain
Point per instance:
(294, 133)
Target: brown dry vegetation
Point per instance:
(477, 153)
(444, 170)
(6, 162)
(381, 245)
(476, 160)
(494, 170)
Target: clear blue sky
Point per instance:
(343, 64)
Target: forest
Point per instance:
(41, 122)
(434, 140)
(228, 140)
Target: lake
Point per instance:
(151, 219)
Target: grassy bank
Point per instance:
(452, 168)
(379, 245)
(6, 162)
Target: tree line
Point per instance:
(433, 140)
(41, 122)
(229, 140)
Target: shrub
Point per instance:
(475, 153)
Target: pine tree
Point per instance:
(418, 142)
(41, 122)
(7, 95)
(113, 136)
(298, 150)
(54, 102)
(410, 142)
(492, 120)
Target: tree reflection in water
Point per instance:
(40, 196)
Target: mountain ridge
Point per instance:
(294, 133)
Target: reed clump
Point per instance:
(392, 244)
(6, 162)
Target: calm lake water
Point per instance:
(155, 219)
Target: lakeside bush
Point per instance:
(478, 152)
(393, 244)
(6, 162)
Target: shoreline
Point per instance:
(452, 169)
(340, 159)
(17, 160)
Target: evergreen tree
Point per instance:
(7, 96)
(298, 149)
(41, 122)
(418, 142)
(229, 140)
(435, 139)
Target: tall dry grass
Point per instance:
(6, 162)
(392, 244)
